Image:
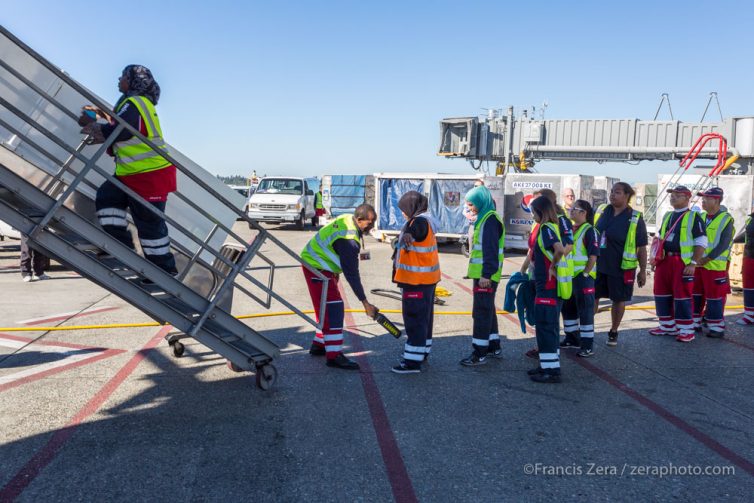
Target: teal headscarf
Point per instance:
(482, 199)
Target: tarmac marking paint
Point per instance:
(676, 421)
(69, 360)
(66, 316)
(59, 344)
(400, 482)
(44, 457)
(728, 340)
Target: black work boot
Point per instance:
(317, 350)
(571, 341)
(546, 377)
(342, 362)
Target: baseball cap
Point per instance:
(712, 192)
(680, 188)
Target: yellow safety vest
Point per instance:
(476, 257)
(579, 254)
(133, 155)
(714, 233)
(563, 270)
(630, 259)
(687, 239)
(319, 252)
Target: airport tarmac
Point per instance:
(111, 415)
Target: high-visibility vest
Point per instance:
(419, 263)
(476, 255)
(687, 238)
(133, 155)
(714, 233)
(630, 260)
(319, 252)
(318, 201)
(563, 271)
(579, 253)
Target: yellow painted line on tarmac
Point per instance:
(263, 315)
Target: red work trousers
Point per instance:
(331, 336)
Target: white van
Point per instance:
(279, 199)
(6, 231)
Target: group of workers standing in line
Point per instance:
(573, 261)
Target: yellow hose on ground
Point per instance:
(264, 315)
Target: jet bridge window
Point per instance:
(458, 137)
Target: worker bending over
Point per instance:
(335, 249)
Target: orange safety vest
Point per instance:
(419, 263)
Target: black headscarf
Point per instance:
(141, 83)
(412, 203)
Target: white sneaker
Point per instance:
(40, 277)
(27, 279)
(742, 321)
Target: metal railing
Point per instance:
(61, 189)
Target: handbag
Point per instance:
(657, 248)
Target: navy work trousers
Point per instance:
(418, 304)
(111, 204)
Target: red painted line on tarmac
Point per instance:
(48, 343)
(41, 375)
(400, 482)
(664, 413)
(66, 316)
(750, 348)
(44, 457)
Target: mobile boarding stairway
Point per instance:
(49, 174)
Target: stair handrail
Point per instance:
(90, 164)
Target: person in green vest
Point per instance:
(623, 248)
(746, 236)
(550, 285)
(137, 166)
(485, 269)
(578, 311)
(711, 283)
(319, 209)
(684, 242)
(565, 228)
(332, 251)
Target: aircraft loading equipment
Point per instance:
(48, 178)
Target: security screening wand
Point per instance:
(382, 320)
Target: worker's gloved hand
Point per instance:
(94, 131)
(370, 309)
(484, 283)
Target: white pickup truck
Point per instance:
(281, 199)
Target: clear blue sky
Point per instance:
(325, 87)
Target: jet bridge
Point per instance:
(516, 143)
